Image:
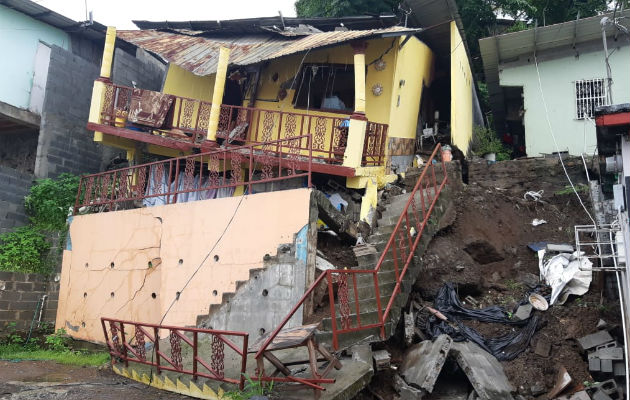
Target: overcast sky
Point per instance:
(120, 13)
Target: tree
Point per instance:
(344, 8)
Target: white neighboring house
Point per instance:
(570, 74)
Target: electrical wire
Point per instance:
(555, 142)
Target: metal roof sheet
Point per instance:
(199, 54)
(508, 47)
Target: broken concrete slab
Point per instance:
(581, 395)
(335, 219)
(406, 392)
(423, 362)
(410, 326)
(483, 370)
(523, 312)
(483, 252)
(595, 339)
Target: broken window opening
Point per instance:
(326, 87)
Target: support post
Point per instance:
(98, 91)
(217, 94)
(358, 122)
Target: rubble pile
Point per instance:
(495, 284)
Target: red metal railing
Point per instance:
(196, 177)
(260, 126)
(374, 145)
(399, 251)
(133, 348)
(185, 118)
(401, 247)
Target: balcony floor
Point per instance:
(318, 166)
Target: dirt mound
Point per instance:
(498, 225)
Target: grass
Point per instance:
(68, 357)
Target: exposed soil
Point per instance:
(47, 380)
(499, 224)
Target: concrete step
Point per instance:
(367, 318)
(352, 338)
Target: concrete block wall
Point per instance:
(128, 68)
(19, 294)
(65, 145)
(15, 186)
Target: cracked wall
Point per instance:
(170, 263)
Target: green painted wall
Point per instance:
(19, 37)
(558, 78)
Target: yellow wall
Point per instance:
(414, 65)
(181, 82)
(461, 93)
(164, 235)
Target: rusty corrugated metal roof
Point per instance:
(200, 54)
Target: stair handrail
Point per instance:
(409, 236)
(413, 241)
(328, 274)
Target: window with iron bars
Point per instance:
(589, 94)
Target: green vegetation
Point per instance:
(49, 200)
(344, 8)
(26, 249)
(18, 352)
(252, 388)
(56, 347)
(23, 250)
(580, 188)
(486, 141)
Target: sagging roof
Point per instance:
(262, 25)
(198, 52)
(508, 47)
(95, 31)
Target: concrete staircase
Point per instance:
(368, 256)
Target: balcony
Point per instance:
(182, 123)
(225, 172)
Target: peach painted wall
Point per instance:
(107, 271)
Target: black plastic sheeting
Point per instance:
(504, 348)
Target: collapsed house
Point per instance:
(213, 224)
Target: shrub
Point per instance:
(49, 200)
(23, 250)
(486, 141)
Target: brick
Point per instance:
(30, 296)
(24, 286)
(7, 315)
(39, 286)
(6, 276)
(10, 295)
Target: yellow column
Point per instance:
(217, 95)
(108, 52)
(358, 123)
(98, 91)
(359, 77)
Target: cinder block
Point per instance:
(24, 286)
